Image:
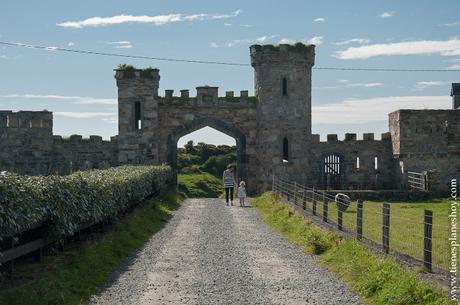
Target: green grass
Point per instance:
(406, 226)
(378, 280)
(199, 184)
(73, 276)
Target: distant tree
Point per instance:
(189, 148)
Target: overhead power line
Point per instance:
(47, 48)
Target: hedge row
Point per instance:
(66, 202)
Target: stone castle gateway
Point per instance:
(272, 130)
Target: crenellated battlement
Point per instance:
(350, 138)
(79, 139)
(26, 120)
(207, 96)
(272, 54)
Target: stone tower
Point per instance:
(138, 115)
(282, 78)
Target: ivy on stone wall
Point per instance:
(66, 202)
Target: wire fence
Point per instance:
(414, 235)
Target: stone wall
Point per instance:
(78, 153)
(26, 141)
(427, 140)
(29, 147)
(348, 151)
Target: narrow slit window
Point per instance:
(137, 116)
(8, 121)
(284, 86)
(376, 163)
(357, 162)
(285, 150)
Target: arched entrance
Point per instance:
(218, 125)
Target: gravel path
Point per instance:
(212, 254)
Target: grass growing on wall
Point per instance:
(73, 276)
(380, 281)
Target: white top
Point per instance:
(241, 192)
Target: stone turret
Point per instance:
(137, 112)
(282, 78)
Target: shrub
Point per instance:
(66, 202)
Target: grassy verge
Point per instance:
(378, 280)
(199, 184)
(73, 276)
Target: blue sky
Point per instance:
(81, 90)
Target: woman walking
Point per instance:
(228, 178)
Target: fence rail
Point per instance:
(416, 239)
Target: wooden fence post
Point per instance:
(304, 199)
(386, 227)
(359, 219)
(325, 208)
(314, 203)
(273, 182)
(339, 216)
(427, 237)
(295, 192)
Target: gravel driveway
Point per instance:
(212, 254)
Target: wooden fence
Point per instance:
(378, 225)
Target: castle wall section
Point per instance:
(26, 141)
(353, 174)
(427, 140)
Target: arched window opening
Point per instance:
(137, 116)
(285, 150)
(376, 163)
(284, 86)
(357, 162)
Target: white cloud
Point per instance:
(365, 85)
(386, 14)
(123, 44)
(346, 84)
(374, 109)
(287, 41)
(265, 38)
(246, 25)
(238, 42)
(320, 19)
(454, 67)
(261, 39)
(156, 20)
(449, 47)
(71, 44)
(451, 24)
(317, 40)
(75, 99)
(228, 24)
(353, 40)
(213, 45)
(426, 84)
(85, 115)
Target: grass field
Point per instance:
(379, 281)
(406, 226)
(199, 184)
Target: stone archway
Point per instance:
(217, 124)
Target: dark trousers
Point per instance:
(228, 191)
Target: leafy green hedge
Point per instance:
(66, 202)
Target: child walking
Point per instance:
(242, 193)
